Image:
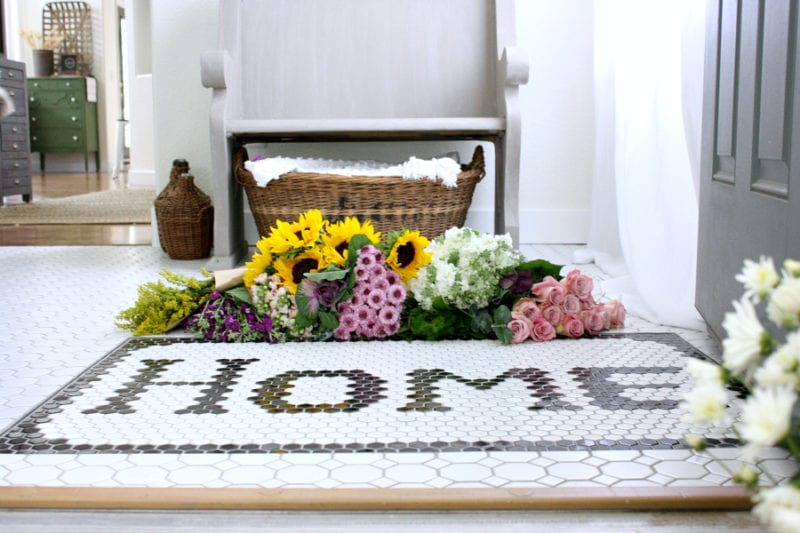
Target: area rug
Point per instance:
(168, 422)
(115, 206)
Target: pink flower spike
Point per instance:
(388, 315)
(396, 294)
(376, 298)
(377, 272)
(362, 273)
(382, 284)
(392, 277)
(365, 260)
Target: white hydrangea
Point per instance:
(465, 268)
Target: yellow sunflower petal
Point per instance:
(408, 255)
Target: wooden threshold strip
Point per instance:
(628, 498)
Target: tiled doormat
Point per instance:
(172, 412)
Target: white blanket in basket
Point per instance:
(270, 168)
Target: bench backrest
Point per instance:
(334, 59)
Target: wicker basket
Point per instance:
(390, 202)
(185, 219)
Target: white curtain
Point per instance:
(648, 101)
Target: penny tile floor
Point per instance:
(489, 430)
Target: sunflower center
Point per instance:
(341, 247)
(405, 254)
(301, 267)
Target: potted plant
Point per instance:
(42, 46)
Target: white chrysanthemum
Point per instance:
(783, 366)
(766, 416)
(758, 278)
(742, 348)
(704, 372)
(792, 267)
(706, 404)
(779, 507)
(784, 303)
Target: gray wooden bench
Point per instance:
(362, 70)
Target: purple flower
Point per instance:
(518, 281)
(392, 277)
(365, 260)
(364, 314)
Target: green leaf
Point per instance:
(327, 321)
(503, 334)
(240, 294)
(331, 273)
(303, 319)
(502, 315)
(357, 242)
(541, 268)
(481, 323)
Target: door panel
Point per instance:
(749, 174)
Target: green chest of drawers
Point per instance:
(63, 117)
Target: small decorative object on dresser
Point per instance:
(64, 116)
(15, 175)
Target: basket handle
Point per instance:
(243, 176)
(477, 163)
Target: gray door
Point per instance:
(750, 182)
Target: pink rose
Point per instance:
(617, 314)
(520, 328)
(542, 330)
(571, 326)
(527, 307)
(571, 304)
(552, 313)
(549, 291)
(596, 319)
(579, 284)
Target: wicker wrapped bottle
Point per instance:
(179, 166)
(185, 219)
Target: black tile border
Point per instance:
(24, 437)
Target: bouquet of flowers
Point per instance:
(313, 279)
(765, 360)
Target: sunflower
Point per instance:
(407, 255)
(337, 238)
(260, 263)
(309, 227)
(282, 238)
(292, 270)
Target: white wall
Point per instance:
(27, 14)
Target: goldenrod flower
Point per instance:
(408, 255)
(338, 235)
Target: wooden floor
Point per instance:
(60, 185)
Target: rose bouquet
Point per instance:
(765, 361)
(565, 308)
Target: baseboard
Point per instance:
(537, 226)
(141, 178)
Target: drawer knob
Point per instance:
(15, 146)
(12, 93)
(75, 138)
(16, 165)
(67, 84)
(74, 119)
(72, 99)
(36, 84)
(33, 98)
(16, 181)
(34, 138)
(14, 129)
(10, 74)
(33, 119)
